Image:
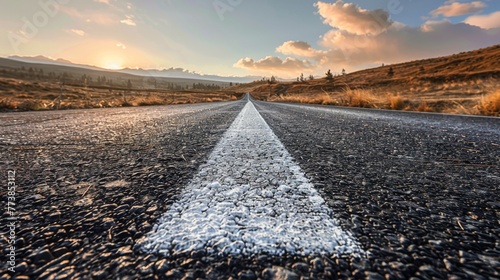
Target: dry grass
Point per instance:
(8, 103)
(490, 104)
(359, 98)
(317, 98)
(477, 96)
(397, 102)
(22, 95)
(149, 101)
(465, 83)
(362, 98)
(473, 97)
(424, 107)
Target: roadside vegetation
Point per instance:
(20, 95)
(33, 86)
(465, 83)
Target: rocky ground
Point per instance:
(419, 192)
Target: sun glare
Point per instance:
(112, 65)
(111, 61)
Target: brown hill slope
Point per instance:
(466, 83)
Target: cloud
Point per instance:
(359, 45)
(353, 19)
(272, 63)
(299, 48)
(485, 21)
(121, 45)
(102, 1)
(129, 21)
(77, 32)
(403, 43)
(454, 9)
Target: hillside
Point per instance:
(451, 84)
(10, 68)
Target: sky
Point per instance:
(246, 37)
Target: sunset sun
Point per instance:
(112, 60)
(112, 65)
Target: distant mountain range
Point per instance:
(184, 74)
(40, 59)
(164, 73)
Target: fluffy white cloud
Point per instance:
(358, 44)
(353, 19)
(300, 48)
(453, 9)
(404, 43)
(485, 21)
(276, 64)
(121, 46)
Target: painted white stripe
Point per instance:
(250, 198)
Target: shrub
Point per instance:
(424, 107)
(360, 98)
(396, 102)
(490, 104)
(7, 103)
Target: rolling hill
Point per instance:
(76, 74)
(456, 83)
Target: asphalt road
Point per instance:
(418, 193)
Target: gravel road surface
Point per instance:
(418, 193)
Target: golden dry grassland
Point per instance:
(485, 101)
(466, 83)
(23, 95)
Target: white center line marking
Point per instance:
(250, 198)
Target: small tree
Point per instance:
(31, 73)
(391, 72)
(329, 75)
(129, 84)
(301, 77)
(271, 81)
(311, 77)
(343, 72)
